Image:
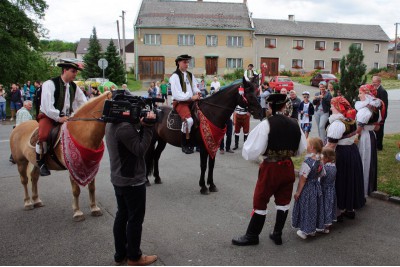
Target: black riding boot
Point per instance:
(44, 171)
(185, 145)
(236, 142)
(276, 235)
(253, 231)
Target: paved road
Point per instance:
(181, 226)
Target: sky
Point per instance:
(74, 19)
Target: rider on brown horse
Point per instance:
(184, 90)
(58, 100)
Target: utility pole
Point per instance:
(123, 38)
(395, 50)
(119, 40)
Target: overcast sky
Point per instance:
(74, 19)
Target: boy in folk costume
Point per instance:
(277, 138)
(184, 90)
(249, 73)
(59, 98)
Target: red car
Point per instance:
(326, 77)
(279, 82)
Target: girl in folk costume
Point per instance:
(349, 182)
(370, 111)
(308, 209)
(328, 187)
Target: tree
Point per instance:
(115, 71)
(352, 70)
(91, 59)
(57, 46)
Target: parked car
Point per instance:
(279, 82)
(326, 77)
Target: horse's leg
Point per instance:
(37, 202)
(210, 178)
(203, 167)
(22, 167)
(94, 209)
(78, 214)
(157, 154)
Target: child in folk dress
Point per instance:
(308, 209)
(328, 188)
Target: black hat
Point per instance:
(277, 99)
(182, 57)
(69, 64)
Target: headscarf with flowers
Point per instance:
(344, 107)
(368, 89)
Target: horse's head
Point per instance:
(250, 97)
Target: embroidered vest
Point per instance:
(59, 94)
(181, 79)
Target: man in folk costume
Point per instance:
(249, 73)
(241, 119)
(59, 98)
(277, 138)
(184, 90)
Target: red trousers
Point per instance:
(183, 109)
(241, 121)
(274, 179)
(45, 126)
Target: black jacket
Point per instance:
(326, 101)
(383, 95)
(310, 110)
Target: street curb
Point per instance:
(385, 197)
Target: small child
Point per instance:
(328, 188)
(308, 210)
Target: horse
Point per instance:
(85, 128)
(217, 108)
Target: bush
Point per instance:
(236, 74)
(378, 70)
(286, 73)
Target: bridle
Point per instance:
(99, 119)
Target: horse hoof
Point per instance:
(78, 216)
(96, 213)
(148, 183)
(38, 204)
(204, 191)
(29, 206)
(158, 181)
(213, 189)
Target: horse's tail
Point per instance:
(149, 157)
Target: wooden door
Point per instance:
(151, 68)
(335, 66)
(272, 64)
(211, 65)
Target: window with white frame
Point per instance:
(297, 63)
(186, 39)
(234, 41)
(152, 39)
(191, 63)
(298, 44)
(336, 46)
(319, 64)
(377, 48)
(212, 40)
(319, 45)
(357, 45)
(234, 63)
(270, 42)
(376, 65)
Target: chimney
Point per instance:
(291, 17)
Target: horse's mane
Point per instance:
(88, 106)
(221, 93)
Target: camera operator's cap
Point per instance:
(182, 57)
(306, 93)
(277, 99)
(322, 83)
(69, 64)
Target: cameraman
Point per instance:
(127, 144)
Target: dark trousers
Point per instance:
(131, 201)
(229, 128)
(379, 137)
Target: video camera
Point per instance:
(124, 107)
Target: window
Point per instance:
(376, 65)
(271, 43)
(357, 45)
(152, 39)
(336, 46)
(319, 64)
(298, 44)
(377, 48)
(234, 63)
(191, 63)
(319, 45)
(297, 63)
(234, 41)
(185, 39)
(212, 40)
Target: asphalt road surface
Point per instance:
(181, 226)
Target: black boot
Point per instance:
(245, 138)
(44, 171)
(184, 143)
(276, 235)
(253, 231)
(236, 142)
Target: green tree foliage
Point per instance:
(115, 71)
(352, 71)
(57, 46)
(91, 59)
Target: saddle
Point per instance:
(52, 142)
(174, 121)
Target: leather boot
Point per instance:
(245, 138)
(236, 142)
(44, 171)
(276, 235)
(185, 145)
(253, 231)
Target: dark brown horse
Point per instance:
(217, 108)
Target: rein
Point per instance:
(87, 119)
